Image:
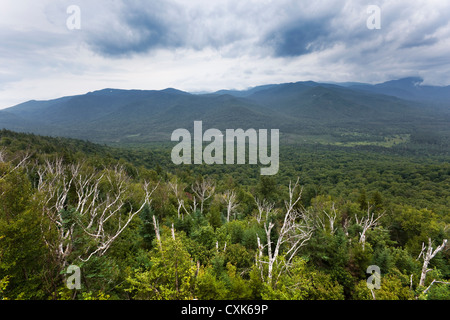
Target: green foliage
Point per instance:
(238, 288)
(170, 276)
(304, 284)
(413, 226)
(98, 296)
(211, 258)
(146, 229)
(22, 251)
(392, 287)
(209, 287)
(3, 284)
(439, 292)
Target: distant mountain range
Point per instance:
(133, 116)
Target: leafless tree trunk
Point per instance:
(427, 254)
(54, 185)
(194, 205)
(99, 214)
(264, 207)
(229, 198)
(368, 222)
(295, 231)
(433, 282)
(331, 218)
(345, 225)
(20, 159)
(3, 155)
(203, 190)
(178, 194)
(325, 221)
(158, 236)
(224, 246)
(172, 231)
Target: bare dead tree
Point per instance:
(331, 218)
(99, 213)
(203, 190)
(23, 159)
(230, 200)
(321, 219)
(264, 207)
(172, 231)
(158, 235)
(367, 222)
(194, 205)
(433, 282)
(295, 231)
(18, 161)
(110, 208)
(178, 194)
(224, 246)
(54, 185)
(427, 254)
(2, 155)
(345, 225)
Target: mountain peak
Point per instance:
(174, 91)
(409, 81)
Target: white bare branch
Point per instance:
(97, 206)
(427, 254)
(331, 218)
(433, 282)
(156, 226)
(21, 161)
(230, 200)
(264, 207)
(367, 222)
(178, 194)
(295, 231)
(203, 190)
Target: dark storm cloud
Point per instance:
(299, 39)
(138, 27)
(421, 42)
(141, 26)
(281, 28)
(232, 42)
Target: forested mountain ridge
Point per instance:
(363, 181)
(298, 109)
(204, 232)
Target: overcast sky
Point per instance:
(206, 45)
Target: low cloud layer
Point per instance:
(208, 45)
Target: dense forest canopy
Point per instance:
(139, 227)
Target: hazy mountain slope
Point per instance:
(150, 119)
(112, 115)
(408, 89)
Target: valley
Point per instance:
(363, 180)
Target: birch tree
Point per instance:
(178, 192)
(231, 203)
(203, 190)
(53, 188)
(322, 219)
(15, 163)
(98, 205)
(427, 254)
(264, 209)
(367, 222)
(294, 232)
